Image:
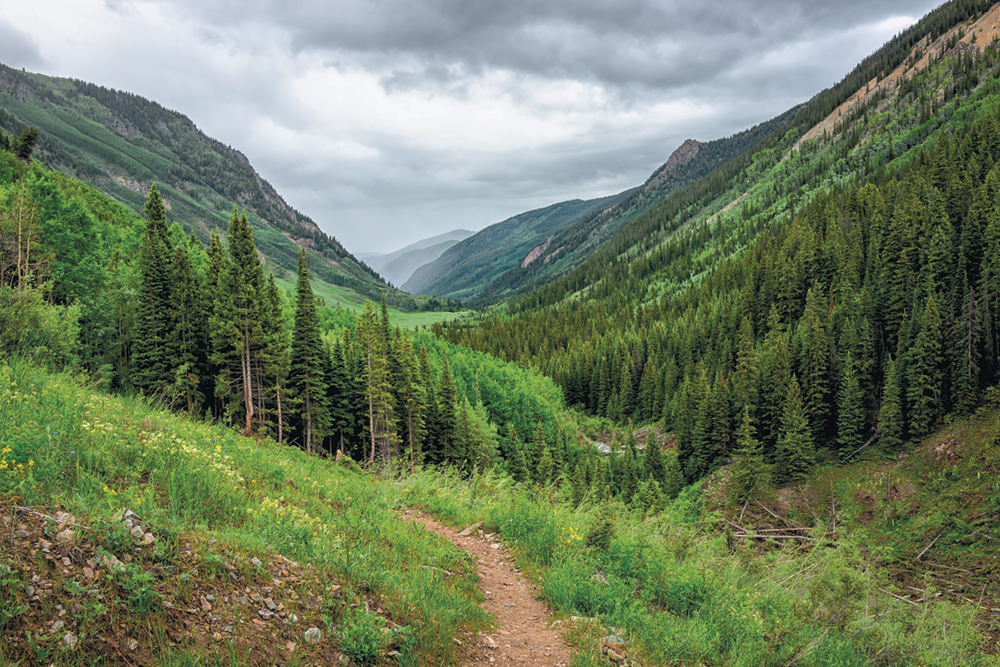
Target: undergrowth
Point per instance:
(682, 591)
(225, 511)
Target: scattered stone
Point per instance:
(132, 644)
(290, 646)
(217, 636)
(130, 518)
(265, 614)
(210, 598)
(62, 518)
(468, 531)
(148, 538)
(205, 604)
(228, 629)
(66, 561)
(56, 627)
(343, 659)
(29, 590)
(255, 562)
(496, 545)
(313, 635)
(70, 640)
(88, 573)
(45, 545)
(614, 640)
(269, 603)
(612, 655)
(137, 532)
(293, 619)
(22, 534)
(488, 642)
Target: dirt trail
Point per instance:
(523, 637)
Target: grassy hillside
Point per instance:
(120, 143)
(237, 546)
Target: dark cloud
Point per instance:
(660, 45)
(18, 49)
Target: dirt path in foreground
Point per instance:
(523, 637)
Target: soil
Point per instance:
(523, 636)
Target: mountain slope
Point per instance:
(465, 269)
(500, 262)
(120, 143)
(397, 267)
(847, 282)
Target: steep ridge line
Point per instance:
(523, 636)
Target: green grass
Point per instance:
(681, 593)
(216, 501)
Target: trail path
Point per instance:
(523, 637)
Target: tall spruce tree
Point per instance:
(383, 438)
(795, 453)
(236, 323)
(154, 372)
(306, 377)
(924, 371)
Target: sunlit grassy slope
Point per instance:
(232, 519)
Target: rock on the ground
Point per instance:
(313, 636)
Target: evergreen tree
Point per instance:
(154, 373)
(381, 424)
(236, 323)
(187, 337)
(850, 411)
(411, 401)
(276, 360)
(518, 464)
(924, 372)
(794, 453)
(543, 474)
(451, 447)
(653, 462)
(306, 375)
(750, 473)
(890, 416)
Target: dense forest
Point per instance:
(821, 316)
(140, 306)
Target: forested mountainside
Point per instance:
(532, 248)
(120, 143)
(466, 268)
(704, 178)
(835, 293)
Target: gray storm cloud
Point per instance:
(388, 121)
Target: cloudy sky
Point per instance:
(388, 121)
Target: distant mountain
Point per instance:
(397, 266)
(467, 269)
(533, 248)
(120, 143)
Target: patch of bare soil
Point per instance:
(523, 636)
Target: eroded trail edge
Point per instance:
(523, 636)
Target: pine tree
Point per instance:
(850, 411)
(154, 372)
(411, 401)
(275, 358)
(306, 377)
(381, 424)
(546, 467)
(750, 473)
(451, 447)
(890, 416)
(794, 453)
(579, 485)
(236, 323)
(518, 465)
(925, 375)
(653, 462)
(187, 337)
(815, 364)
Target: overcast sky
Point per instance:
(388, 121)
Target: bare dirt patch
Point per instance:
(523, 636)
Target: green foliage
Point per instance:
(361, 636)
(11, 590)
